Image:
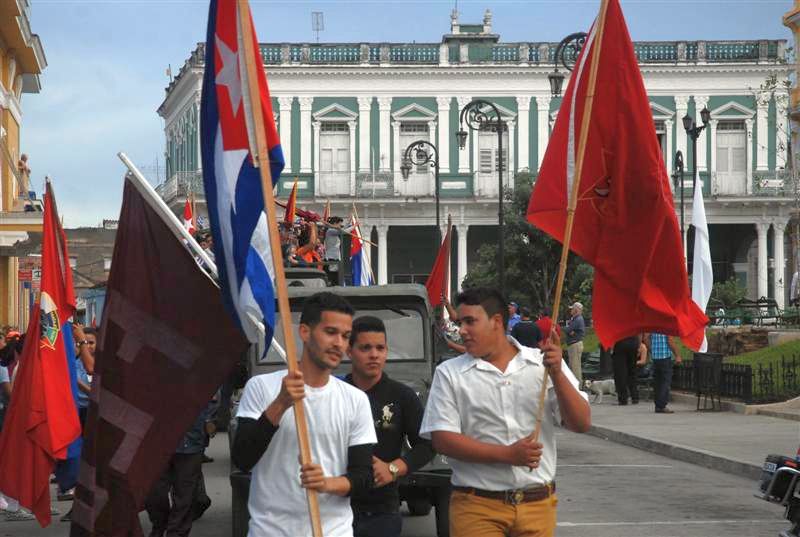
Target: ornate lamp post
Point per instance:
(677, 175)
(566, 53)
(694, 130)
(419, 153)
(476, 117)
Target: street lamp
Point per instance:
(694, 130)
(678, 176)
(475, 116)
(419, 153)
(572, 43)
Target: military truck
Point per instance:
(407, 314)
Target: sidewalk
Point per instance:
(724, 441)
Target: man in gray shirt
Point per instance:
(333, 249)
(576, 329)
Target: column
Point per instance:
(761, 230)
(542, 125)
(762, 128)
(668, 125)
(509, 170)
(385, 154)
(383, 262)
(285, 104)
(351, 126)
(431, 171)
(364, 128)
(443, 106)
(748, 123)
(778, 230)
(524, 109)
(396, 150)
(317, 127)
(463, 230)
(681, 107)
(463, 154)
(712, 128)
(700, 102)
(782, 129)
(305, 134)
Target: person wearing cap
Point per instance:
(513, 316)
(576, 330)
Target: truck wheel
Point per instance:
(419, 506)
(441, 500)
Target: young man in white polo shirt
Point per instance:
(340, 427)
(481, 412)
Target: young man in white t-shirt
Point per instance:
(341, 432)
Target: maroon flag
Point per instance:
(437, 281)
(165, 345)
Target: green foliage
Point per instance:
(727, 293)
(531, 260)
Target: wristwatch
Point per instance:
(394, 470)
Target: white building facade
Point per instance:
(346, 112)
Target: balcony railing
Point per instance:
(180, 185)
(377, 185)
(777, 183)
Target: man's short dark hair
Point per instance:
(490, 299)
(325, 301)
(367, 323)
(524, 311)
(335, 220)
(545, 312)
(89, 331)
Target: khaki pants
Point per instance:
(574, 352)
(472, 516)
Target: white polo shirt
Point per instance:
(472, 397)
(338, 416)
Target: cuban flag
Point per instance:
(232, 183)
(360, 264)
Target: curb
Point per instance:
(778, 414)
(678, 452)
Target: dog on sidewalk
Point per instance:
(600, 387)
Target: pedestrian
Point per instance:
(481, 412)
(662, 349)
(624, 358)
(513, 316)
(341, 432)
(576, 330)
(397, 414)
(333, 249)
(525, 331)
(178, 482)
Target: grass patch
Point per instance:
(767, 355)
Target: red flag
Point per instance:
(625, 223)
(42, 419)
(188, 220)
(437, 282)
(157, 367)
(291, 205)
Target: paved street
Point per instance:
(605, 490)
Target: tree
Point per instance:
(531, 259)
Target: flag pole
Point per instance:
(261, 159)
(573, 194)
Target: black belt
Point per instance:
(515, 496)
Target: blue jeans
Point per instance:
(662, 379)
(377, 524)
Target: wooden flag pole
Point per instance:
(261, 159)
(573, 195)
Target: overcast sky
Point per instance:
(107, 63)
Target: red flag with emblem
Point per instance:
(625, 223)
(42, 420)
(188, 219)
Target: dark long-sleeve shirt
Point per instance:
(576, 329)
(397, 412)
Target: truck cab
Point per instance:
(405, 310)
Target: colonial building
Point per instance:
(346, 112)
(21, 62)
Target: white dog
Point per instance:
(600, 387)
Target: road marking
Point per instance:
(667, 466)
(664, 523)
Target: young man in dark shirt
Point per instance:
(397, 412)
(526, 332)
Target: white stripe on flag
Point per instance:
(702, 270)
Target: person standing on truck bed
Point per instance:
(481, 412)
(341, 432)
(397, 413)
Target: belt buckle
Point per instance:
(515, 497)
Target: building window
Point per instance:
(334, 158)
(661, 134)
(410, 133)
(731, 157)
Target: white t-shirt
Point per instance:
(338, 417)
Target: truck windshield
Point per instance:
(404, 329)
